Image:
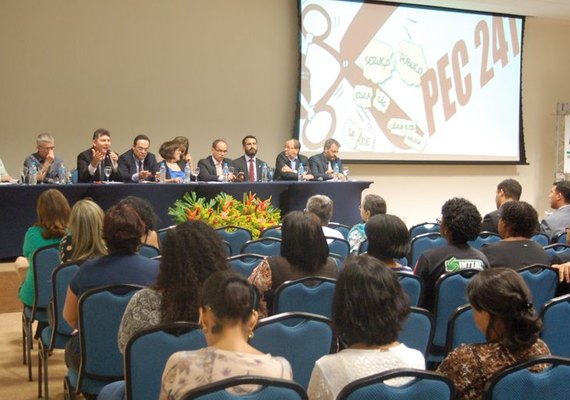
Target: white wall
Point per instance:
(220, 68)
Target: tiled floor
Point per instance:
(9, 284)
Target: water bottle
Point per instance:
(301, 173)
(187, 173)
(264, 173)
(162, 174)
(336, 172)
(33, 175)
(225, 173)
(62, 174)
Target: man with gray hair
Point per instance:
(45, 161)
(323, 165)
(322, 207)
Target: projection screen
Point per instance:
(402, 83)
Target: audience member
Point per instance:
(304, 252)
(372, 204)
(191, 252)
(322, 207)
(148, 216)
(91, 163)
(388, 240)
(122, 231)
(517, 224)
(52, 210)
(248, 165)
(170, 151)
(507, 190)
(45, 161)
(84, 239)
(503, 311)
(557, 222)
(228, 317)
(460, 223)
(212, 167)
(323, 164)
(4, 175)
(371, 338)
(289, 161)
(138, 164)
(185, 158)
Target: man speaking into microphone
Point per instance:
(91, 163)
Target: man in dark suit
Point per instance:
(91, 163)
(248, 166)
(288, 162)
(138, 164)
(507, 190)
(211, 168)
(323, 164)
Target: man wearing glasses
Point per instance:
(212, 167)
(138, 164)
(45, 161)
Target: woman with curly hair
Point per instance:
(460, 223)
(369, 311)
(503, 311)
(517, 224)
(191, 252)
(53, 211)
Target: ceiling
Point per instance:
(554, 9)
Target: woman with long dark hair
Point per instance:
(503, 311)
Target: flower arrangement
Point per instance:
(251, 213)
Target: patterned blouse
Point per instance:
(470, 366)
(186, 370)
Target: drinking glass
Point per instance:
(108, 172)
(195, 173)
(23, 175)
(345, 172)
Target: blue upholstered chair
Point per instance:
(267, 246)
(424, 227)
(339, 246)
(555, 319)
(413, 286)
(542, 281)
(417, 331)
(245, 263)
(297, 295)
(236, 236)
(272, 231)
(424, 242)
(461, 329)
(149, 251)
(342, 228)
(484, 238)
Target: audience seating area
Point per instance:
(299, 329)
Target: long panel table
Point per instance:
(18, 202)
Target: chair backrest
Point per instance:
(363, 248)
(520, 383)
(273, 231)
(461, 329)
(342, 228)
(271, 388)
(555, 317)
(484, 238)
(423, 385)
(560, 237)
(100, 313)
(423, 242)
(60, 278)
(267, 246)
(146, 250)
(339, 246)
(424, 227)
(163, 231)
(413, 286)
(542, 281)
(301, 338)
(560, 250)
(147, 351)
(297, 295)
(245, 263)
(45, 260)
(541, 238)
(417, 331)
(450, 293)
(236, 236)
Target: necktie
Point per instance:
(140, 166)
(251, 170)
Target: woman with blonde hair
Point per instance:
(84, 238)
(53, 214)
